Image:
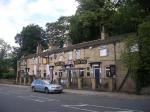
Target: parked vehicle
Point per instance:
(45, 86)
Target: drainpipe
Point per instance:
(114, 43)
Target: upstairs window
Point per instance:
(103, 51)
(51, 57)
(78, 54)
(60, 58)
(70, 55)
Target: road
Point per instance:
(21, 99)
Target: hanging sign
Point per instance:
(80, 61)
(60, 63)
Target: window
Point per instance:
(44, 60)
(103, 51)
(51, 57)
(88, 74)
(81, 73)
(70, 55)
(60, 58)
(78, 54)
(55, 56)
(108, 71)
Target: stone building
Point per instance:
(93, 65)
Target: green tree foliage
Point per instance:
(126, 18)
(15, 55)
(136, 55)
(58, 31)
(4, 61)
(144, 54)
(130, 56)
(117, 16)
(145, 6)
(4, 48)
(30, 37)
(89, 18)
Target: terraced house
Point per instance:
(94, 65)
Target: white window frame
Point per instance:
(60, 58)
(78, 53)
(70, 55)
(103, 51)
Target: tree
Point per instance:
(130, 56)
(126, 18)
(15, 55)
(145, 6)
(30, 37)
(144, 54)
(58, 31)
(90, 16)
(4, 49)
(136, 56)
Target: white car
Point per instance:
(45, 86)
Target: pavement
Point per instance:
(95, 93)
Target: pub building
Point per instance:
(94, 65)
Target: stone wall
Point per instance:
(7, 81)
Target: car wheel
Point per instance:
(46, 90)
(33, 89)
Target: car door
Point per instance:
(42, 86)
(38, 85)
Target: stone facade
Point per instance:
(90, 65)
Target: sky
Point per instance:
(16, 14)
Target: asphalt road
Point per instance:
(21, 99)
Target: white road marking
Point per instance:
(114, 108)
(43, 98)
(124, 111)
(118, 111)
(79, 107)
(27, 98)
(37, 99)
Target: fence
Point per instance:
(86, 83)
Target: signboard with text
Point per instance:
(60, 63)
(80, 61)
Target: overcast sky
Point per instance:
(14, 14)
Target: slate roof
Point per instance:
(93, 43)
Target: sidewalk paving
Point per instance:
(107, 94)
(95, 93)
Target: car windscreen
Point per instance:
(47, 82)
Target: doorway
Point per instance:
(97, 76)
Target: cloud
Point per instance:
(14, 14)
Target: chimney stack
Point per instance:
(39, 49)
(102, 33)
(67, 43)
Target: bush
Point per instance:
(8, 75)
